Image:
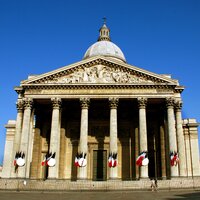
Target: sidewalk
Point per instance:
(112, 195)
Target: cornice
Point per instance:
(99, 86)
(179, 89)
(191, 125)
(19, 90)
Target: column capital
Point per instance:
(20, 105)
(56, 102)
(113, 102)
(85, 102)
(142, 102)
(169, 102)
(178, 105)
(28, 103)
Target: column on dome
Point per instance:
(180, 140)
(142, 102)
(55, 137)
(83, 145)
(18, 130)
(171, 133)
(25, 136)
(113, 134)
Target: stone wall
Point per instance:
(61, 185)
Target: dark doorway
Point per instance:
(99, 165)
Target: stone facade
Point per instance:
(97, 107)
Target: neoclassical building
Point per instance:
(97, 106)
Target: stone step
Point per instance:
(67, 185)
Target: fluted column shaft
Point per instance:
(30, 144)
(180, 140)
(28, 102)
(113, 133)
(55, 136)
(84, 134)
(143, 133)
(171, 132)
(18, 130)
(163, 152)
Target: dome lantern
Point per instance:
(104, 46)
(104, 32)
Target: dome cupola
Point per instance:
(104, 33)
(104, 46)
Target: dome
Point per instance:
(104, 47)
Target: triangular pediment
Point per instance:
(99, 70)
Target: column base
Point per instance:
(114, 179)
(144, 178)
(82, 179)
(174, 177)
(183, 176)
(52, 179)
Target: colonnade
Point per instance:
(23, 132)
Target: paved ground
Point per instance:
(124, 195)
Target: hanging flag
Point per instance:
(16, 157)
(142, 159)
(44, 162)
(80, 160)
(51, 161)
(112, 160)
(76, 160)
(174, 159)
(19, 159)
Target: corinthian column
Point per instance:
(55, 136)
(143, 133)
(28, 103)
(18, 130)
(84, 134)
(113, 133)
(180, 140)
(171, 132)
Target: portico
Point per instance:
(98, 106)
(109, 125)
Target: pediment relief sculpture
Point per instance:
(99, 74)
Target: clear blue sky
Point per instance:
(37, 36)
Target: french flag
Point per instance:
(140, 158)
(76, 160)
(110, 160)
(44, 162)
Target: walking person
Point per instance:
(154, 185)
